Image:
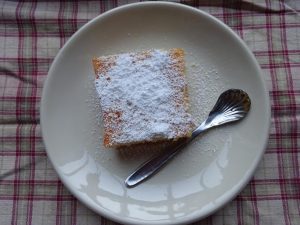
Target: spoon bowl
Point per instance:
(232, 105)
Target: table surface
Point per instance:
(31, 34)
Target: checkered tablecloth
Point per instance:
(31, 34)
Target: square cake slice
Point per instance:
(143, 97)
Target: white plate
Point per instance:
(204, 177)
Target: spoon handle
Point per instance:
(153, 165)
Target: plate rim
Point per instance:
(231, 194)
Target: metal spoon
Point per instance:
(232, 105)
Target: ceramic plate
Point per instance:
(209, 172)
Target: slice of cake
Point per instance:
(143, 97)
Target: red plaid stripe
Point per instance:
(32, 32)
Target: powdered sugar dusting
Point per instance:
(143, 97)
